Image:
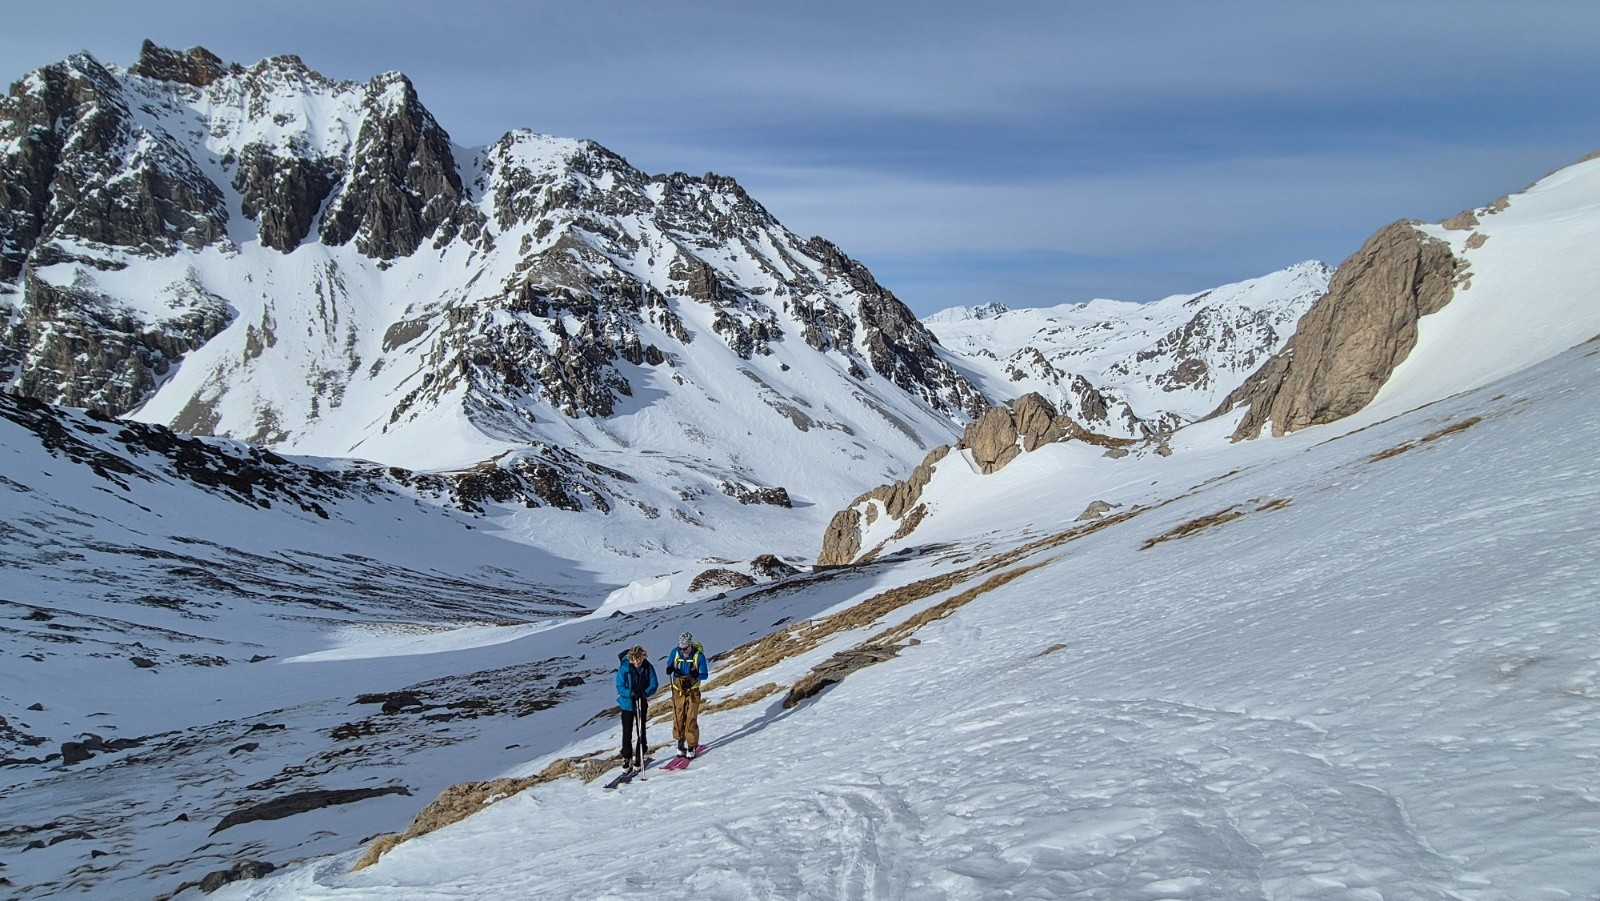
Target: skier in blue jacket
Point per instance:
(636, 682)
(687, 668)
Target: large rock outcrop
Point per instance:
(1349, 342)
(998, 436)
(79, 348)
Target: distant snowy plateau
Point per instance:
(338, 462)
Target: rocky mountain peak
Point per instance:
(196, 66)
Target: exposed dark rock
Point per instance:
(720, 578)
(284, 193)
(899, 347)
(1350, 341)
(247, 747)
(74, 752)
(750, 494)
(249, 869)
(79, 348)
(402, 183)
(36, 706)
(770, 567)
(83, 167)
(835, 670)
(197, 66)
(142, 662)
(303, 802)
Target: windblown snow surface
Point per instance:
(1360, 661)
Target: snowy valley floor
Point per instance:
(1361, 664)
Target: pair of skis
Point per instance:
(676, 763)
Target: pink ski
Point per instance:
(682, 763)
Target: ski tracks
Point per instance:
(1154, 799)
(836, 840)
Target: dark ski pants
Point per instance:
(628, 716)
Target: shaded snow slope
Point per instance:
(1131, 369)
(1358, 661)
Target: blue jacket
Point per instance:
(688, 663)
(625, 679)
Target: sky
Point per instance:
(1032, 153)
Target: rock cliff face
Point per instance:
(87, 350)
(77, 166)
(1350, 341)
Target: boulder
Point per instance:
(770, 567)
(1349, 342)
(720, 578)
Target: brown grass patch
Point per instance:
(1395, 451)
(887, 644)
(807, 635)
(1450, 429)
(1277, 503)
(458, 802)
(1193, 526)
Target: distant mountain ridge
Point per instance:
(1132, 370)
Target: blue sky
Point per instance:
(1029, 152)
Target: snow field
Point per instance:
(1383, 689)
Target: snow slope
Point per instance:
(1529, 289)
(1378, 680)
(222, 628)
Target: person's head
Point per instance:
(685, 641)
(636, 655)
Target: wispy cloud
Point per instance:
(1036, 151)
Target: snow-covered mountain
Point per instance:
(313, 266)
(1351, 658)
(1133, 370)
(1356, 660)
